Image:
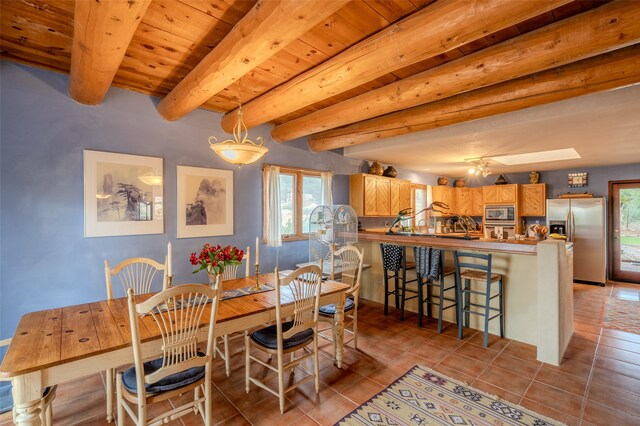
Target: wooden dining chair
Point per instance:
(302, 289)
(48, 395)
(138, 274)
(349, 260)
(230, 273)
(178, 313)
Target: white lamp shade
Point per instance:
(239, 153)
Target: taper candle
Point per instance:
(169, 271)
(257, 250)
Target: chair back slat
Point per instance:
(178, 313)
(137, 273)
(461, 261)
(302, 286)
(231, 271)
(351, 260)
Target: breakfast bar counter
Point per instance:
(448, 241)
(538, 284)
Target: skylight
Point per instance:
(537, 157)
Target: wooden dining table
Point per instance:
(62, 344)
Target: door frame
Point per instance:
(611, 218)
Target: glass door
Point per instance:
(624, 229)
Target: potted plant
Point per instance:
(214, 259)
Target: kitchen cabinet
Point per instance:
(400, 195)
(534, 199)
(405, 195)
(372, 195)
(447, 195)
(477, 206)
(500, 194)
(465, 201)
(394, 196)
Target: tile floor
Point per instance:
(597, 384)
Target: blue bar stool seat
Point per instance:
(478, 272)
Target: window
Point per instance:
(300, 192)
(419, 202)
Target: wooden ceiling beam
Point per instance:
(436, 29)
(616, 69)
(612, 26)
(268, 27)
(102, 30)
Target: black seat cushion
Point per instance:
(268, 336)
(171, 382)
(331, 309)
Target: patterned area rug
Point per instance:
(426, 397)
(623, 315)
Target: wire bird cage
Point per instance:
(331, 227)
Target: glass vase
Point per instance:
(213, 277)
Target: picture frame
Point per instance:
(123, 194)
(204, 202)
(576, 180)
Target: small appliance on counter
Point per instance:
(499, 221)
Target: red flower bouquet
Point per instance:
(215, 258)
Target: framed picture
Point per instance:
(577, 179)
(205, 202)
(123, 194)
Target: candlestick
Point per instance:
(169, 269)
(169, 304)
(257, 251)
(257, 287)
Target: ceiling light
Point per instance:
(480, 167)
(537, 157)
(239, 150)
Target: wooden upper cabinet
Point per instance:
(465, 201)
(405, 195)
(500, 194)
(383, 190)
(534, 199)
(394, 196)
(372, 195)
(490, 195)
(447, 195)
(508, 193)
(477, 207)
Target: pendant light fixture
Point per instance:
(479, 166)
(240, 150)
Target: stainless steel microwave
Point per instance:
(501, 214)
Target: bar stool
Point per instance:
(431, 272)
(477, 272)
(394, 261)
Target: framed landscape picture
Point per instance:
(205, 202)
(123, 194)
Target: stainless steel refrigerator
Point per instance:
(583, 221)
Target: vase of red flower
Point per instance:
(214, 259)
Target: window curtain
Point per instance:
(327, 188)
(273, 228)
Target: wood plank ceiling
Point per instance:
(318, 65)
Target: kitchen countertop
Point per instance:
(527, 247)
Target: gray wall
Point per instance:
(45, 261)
